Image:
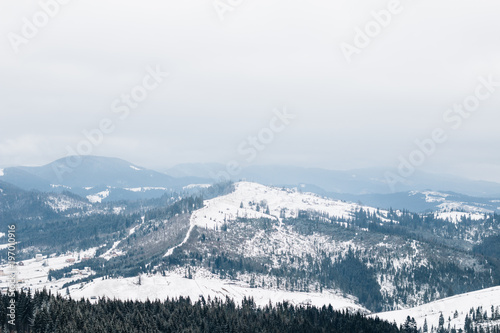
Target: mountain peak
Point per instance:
(87, 171)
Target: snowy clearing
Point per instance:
(98, 197)
(176, 285)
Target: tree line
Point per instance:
(46, 313)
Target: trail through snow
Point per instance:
(188, 234)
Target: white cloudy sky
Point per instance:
(226, 77)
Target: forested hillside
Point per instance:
(45, 313)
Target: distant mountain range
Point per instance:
(427, 201)
(90, 171)
(423, 192)
(358, 182)
(109, 179)
(97, 178)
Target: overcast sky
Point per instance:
(227, 76)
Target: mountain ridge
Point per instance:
(355, 181)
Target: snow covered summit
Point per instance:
(252, 200)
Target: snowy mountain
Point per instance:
(254, 201)
(285, 240)
(97, 178)
(17, 204)
(249, 239)
(104, 179)
(88, 171)
(457, 205)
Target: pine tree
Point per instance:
(410, 325)
(441, 323)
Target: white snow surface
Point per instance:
(456, 217)
(174, 284)
(432, 196)
(1, 172)
(461, 303)
(57, 185)
(135, 168)
(456, 211)
(62, 204)
(225, 208)
(112, 252)
(144, 189)
(188, 234)
(98, 197)
(191, 186)
(453, 211)
(118, 210)
(4, 246)
(132, 230)
(34, 275)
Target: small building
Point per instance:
(70, 260)
(39, 257)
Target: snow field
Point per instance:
(431, 311)
(174, 284)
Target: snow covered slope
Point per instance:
(62, 203)
(98, 197)
(431, 311)
(33, 274)
(175, 284)
(455, 207)
(456, 217)
(250, 200)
